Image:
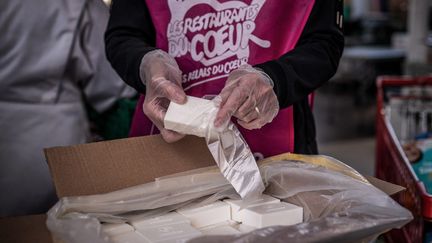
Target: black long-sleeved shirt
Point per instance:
(296, 74)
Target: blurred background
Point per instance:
(383, 37)
(384, 130)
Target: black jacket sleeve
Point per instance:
(130, 35)
(315, 58)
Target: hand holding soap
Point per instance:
(226, 144)
(195, 117)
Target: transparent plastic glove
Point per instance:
(162, 77)
(248, 95)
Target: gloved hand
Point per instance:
(162, 78)
(248, 95)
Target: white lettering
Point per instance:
(213, 37)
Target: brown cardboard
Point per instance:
(111, 165)
(387, 187)
(24, 229)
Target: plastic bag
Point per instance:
(336, 207)
(226, 144)
(339, 204)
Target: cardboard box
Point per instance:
(107, 166)
(112, 165)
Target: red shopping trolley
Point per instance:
(393, 166)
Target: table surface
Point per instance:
(31, 228)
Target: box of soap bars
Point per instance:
(90, 174)
(218, 218)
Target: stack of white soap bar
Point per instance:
(129, 237)
(222, 228)
(142, 222)
(265, 211)
(171, 227)
(122, 233)
(212, 219)
(170, 233)
(116, 229)
(201, 216)
(193, 117)
(238, 206)
(281, 213)
(243, 228)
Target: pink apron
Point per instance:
(210, 38)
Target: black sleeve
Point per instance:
(315, 58)
(130, 35)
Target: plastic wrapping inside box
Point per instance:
(339, 204)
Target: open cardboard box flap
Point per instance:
(112, 165)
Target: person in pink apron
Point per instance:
(264, 58)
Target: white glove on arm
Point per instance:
(162, 78)
(248, 95)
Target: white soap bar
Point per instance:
(193, 117)
(243, 228)
(116, 229)
(183, 239)
(272, 214)
(167, 219)
(221, 230)
(130, 237)
(220, 224)
(207, 215)
(238, 206)
(168, 233)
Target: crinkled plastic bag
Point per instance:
(339, 204)
(226, 144)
